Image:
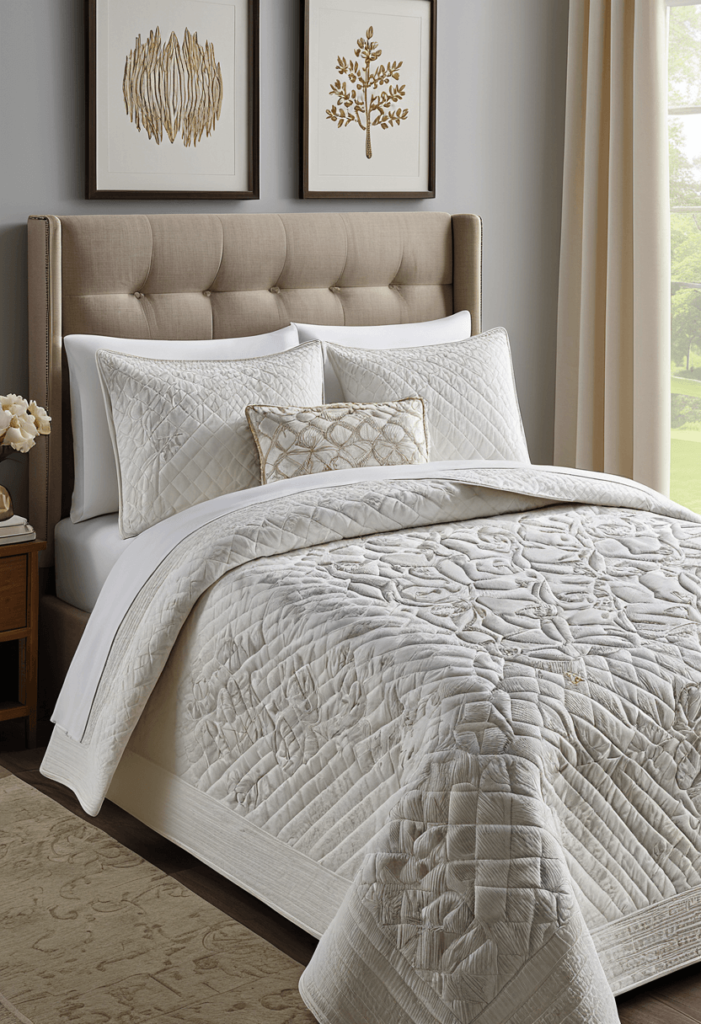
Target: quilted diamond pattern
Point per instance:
(468, 387)
(179, 426)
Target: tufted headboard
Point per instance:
(190, 276)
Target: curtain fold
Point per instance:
(612, 402)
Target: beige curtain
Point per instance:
(613, 362)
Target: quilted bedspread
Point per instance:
(476, 693)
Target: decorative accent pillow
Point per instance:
(95, 489)
(179, 427)
(385, 336)
(300, 441)
(468, 387)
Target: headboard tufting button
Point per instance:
(334, 288)
(275, 290)
(206, 293)
(138, 295)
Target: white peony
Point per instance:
(14, 404)
(20, 422)
(41, 418)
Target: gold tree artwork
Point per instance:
(358, 105)
(173, 89)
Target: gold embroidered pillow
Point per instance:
(297, 441)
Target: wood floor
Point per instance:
(675, 999)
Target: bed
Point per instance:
(445, 716)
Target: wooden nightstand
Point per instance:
(19, 620)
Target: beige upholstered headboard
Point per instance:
(190, 276)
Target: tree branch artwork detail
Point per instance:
(358, 105)
(171, 89)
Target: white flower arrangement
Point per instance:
(20, 423)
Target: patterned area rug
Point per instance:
(92, 934)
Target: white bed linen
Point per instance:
(468, 387)
(179, 427)
(384, 336)
(149, 550)
(95, 489)
(527, 679)
(86, 552)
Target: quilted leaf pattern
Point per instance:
(483, 710)
(179, 426)
(468, 387)
(488, 717)
(297, 442)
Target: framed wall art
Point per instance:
(368, 97)
(172, 99)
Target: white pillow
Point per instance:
(430, 332)
(468, 387)
(95, 491)
(179, 427)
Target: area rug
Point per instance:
(93, 934)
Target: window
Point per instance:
(684, 35)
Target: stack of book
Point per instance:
(16, 530)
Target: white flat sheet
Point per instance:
(85, 555)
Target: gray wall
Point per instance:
(501, 81)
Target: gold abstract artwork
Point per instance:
(358, 105)
(170, 89)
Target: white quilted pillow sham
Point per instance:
(95, 488)
(468, 387)
(179, 427)
(386, 336)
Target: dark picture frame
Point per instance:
(246, 135)
(392, 112)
